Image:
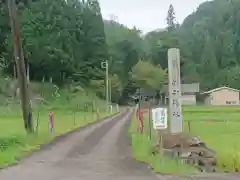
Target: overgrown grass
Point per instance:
(142, 148)
(219, 127)
(14, 143)
(70, 112)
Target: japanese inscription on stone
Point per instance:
(174, 90)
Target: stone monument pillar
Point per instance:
(174, 85)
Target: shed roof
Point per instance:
(186, 88)
(220, 88)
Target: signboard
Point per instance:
(175, 105)
(159, 118)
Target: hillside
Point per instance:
(68, 43)
(210, 43)
(209, 40)
(74, 40)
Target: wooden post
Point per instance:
(37, 121)
(28, 73)
(161, 151)
(189, 127)
(21, 69)
(38, 116)
(150, 122)
(14, 71)
(161, 142)
(139, 109)
(74, 117)
(97, 111)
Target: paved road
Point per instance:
(99, 152)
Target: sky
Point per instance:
(146, 15)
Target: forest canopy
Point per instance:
(68, 40)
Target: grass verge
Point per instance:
(15, 143)
(142, 147)
(219, 128)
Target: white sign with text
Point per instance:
(159, 118)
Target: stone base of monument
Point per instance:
(189, 150)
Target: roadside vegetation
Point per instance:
(219, 128)
(71, 110)
(65, 42)
(142, 148)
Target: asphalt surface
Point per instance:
(99, 152)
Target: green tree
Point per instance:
(209, 65)
(157, 44)
(171, 19)
(209, 42)
(146, 75)
(66, 41)
(125, 48)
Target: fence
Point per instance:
(58, 115)
(210, 139)
(51, 118)
(223, 137)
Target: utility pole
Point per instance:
(21, 69)
(104, 65)
(110, 85)
(110, 90)
(107, 86)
